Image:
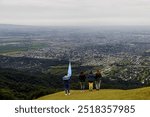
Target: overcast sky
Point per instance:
(75, 12)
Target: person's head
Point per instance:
(81, 72)
(91, 72)
(98, 71)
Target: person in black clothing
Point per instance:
(82, 78)
(98, 77)
(91, 79)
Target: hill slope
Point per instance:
(104, 94)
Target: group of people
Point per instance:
(91, 78)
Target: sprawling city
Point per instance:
(122, 53)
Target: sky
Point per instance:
(75, 12)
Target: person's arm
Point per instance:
(100, 75)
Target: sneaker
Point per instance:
(68, 93)
(65, 94)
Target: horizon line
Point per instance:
(72, 25)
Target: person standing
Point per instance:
(98, 77)
(82, 78)
(91, 79)
(66, 80)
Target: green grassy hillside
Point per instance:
(103, 94)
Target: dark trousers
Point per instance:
(67, 86)
(82, 85)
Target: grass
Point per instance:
(103, 94)
(6, 49)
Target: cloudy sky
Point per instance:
(75, 12)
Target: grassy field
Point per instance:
(103, 94)
(12, 49)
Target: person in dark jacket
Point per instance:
(98, 77)
(91, 79)
(82, 78)
(66, 80)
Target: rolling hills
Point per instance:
(103, 94)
